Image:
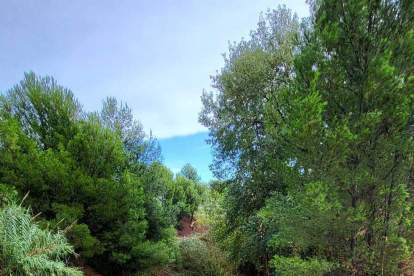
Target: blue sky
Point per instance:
(192, 149)
(157, 56)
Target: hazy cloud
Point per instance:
(155, 55)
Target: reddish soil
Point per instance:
(189, 231)
(163, 272)
(86, 269)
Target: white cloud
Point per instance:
(175, 170)
(155, 55)
(172, 117)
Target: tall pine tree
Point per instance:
(346, 129)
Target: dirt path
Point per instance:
(163, 272)
(190, 228)
(86, 269)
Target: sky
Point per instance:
(157, 56)
(191, 149)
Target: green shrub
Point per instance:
(28, 250)
(202, 259)
(294, 266)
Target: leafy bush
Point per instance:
(202, 259)
(295, 266)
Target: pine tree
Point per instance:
(346, 129)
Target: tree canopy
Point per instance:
(314, 121)
(97, 172)
(311, 128)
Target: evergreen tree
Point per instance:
(346, 129)
(243, 153)
(86, 169)
(320, 125)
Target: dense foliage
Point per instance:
(202, 258)
(26, 249)
(311, 125)
(314, 120)
(98, 171)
